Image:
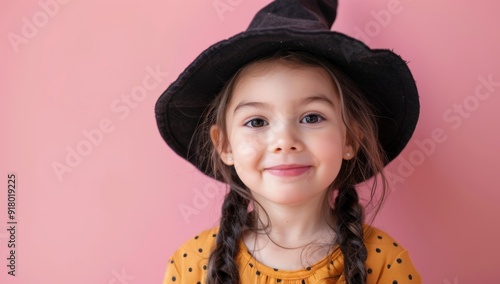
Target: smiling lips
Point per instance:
(288, 170)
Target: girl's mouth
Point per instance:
(288, 170)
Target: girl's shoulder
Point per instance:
(379, 242)
(387, 258)
(189, 262)
(374, 235)
(200, 245)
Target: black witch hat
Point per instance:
(298, 25)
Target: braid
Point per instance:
(222, 267)
(350, 234)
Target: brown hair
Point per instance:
(347, 211)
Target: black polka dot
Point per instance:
(395, 282)
(370, 271)
(214, 235)
(190, 269)
(278, 280)
(331, 262)
(395, 244)
(184, 255)
(410, 277)
(200, 250)
(378, 250)
(258, 272)
(399, 260)
(251, 265)
(303, 281)
(204, 267)
(275, 269)
(388, 266)
(172, 261)
(196, 237)
(198, 282)
(379, 237)
(173, 278)
(308, 268)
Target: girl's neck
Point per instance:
(288, 231)
(292, 226)
(291, 223)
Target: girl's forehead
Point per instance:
(266, 67)
(269, 77)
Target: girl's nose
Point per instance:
(285, 140)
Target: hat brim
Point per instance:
(382, 75)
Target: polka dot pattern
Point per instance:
(387, 262)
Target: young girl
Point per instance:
(291, 116)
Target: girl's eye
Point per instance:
(312, 118)
(256, 122)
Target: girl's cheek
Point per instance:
(246, 150)
(249, 145)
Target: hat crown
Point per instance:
(307, 15)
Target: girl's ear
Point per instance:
(351, 143)
(222, 146)
(349, 152)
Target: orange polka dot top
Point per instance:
(387, 263)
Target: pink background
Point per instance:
(116, 217)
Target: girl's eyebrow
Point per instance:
(305, 101)
(317, 98)
(244, 104)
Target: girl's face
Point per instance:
(286, 138)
